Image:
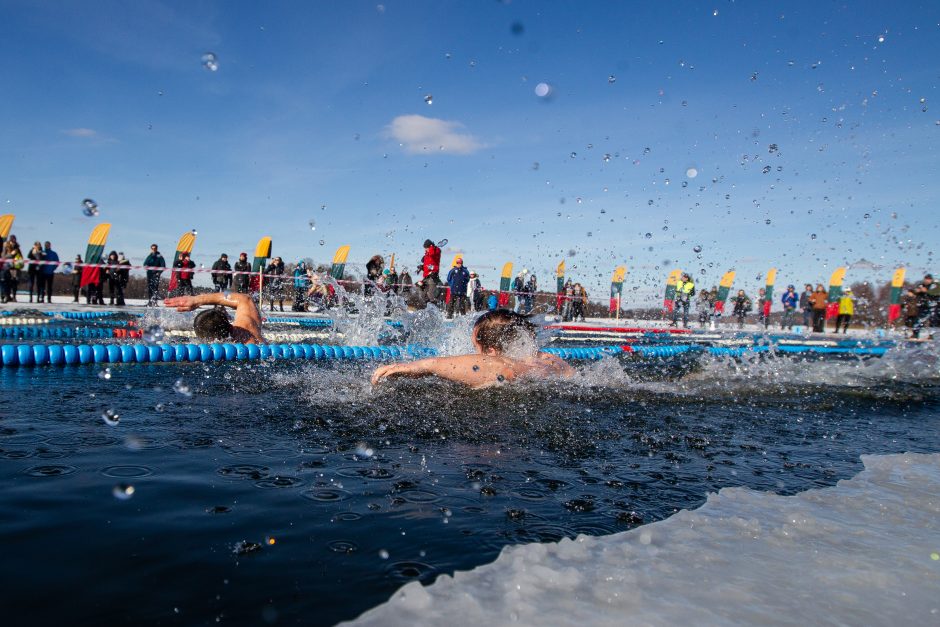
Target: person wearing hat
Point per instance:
(76, 279)
(241, 278)
(790, 300)
(123, 277)
(475, 293)
(457, 279)
(846, 310)
(222, 273)
(430, 269)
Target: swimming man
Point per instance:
(214, 324)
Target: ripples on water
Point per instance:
(301, 489)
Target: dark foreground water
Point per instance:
(292, 493)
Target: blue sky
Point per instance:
(318, 111)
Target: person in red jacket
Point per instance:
(185, 276)
(430, 273)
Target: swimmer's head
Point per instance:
(496, 331)
(212, 324)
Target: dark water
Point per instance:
(362, 490)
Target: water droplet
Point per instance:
(322, 242)
(364, 450)
(573, 155)
(589, 234)
(181, 388)
(123, 491)
(428, 99)
(611, 79)
(159, 407)
(607, 157)
(881, 39)
(383, 554)
(812, 236)
(210, 61)
(578, 199)
(313, 225)
(90, 208)
(110, 417)
(649, 236)
(772, 148)
(105, 374)
(766, 169)
(754, 76)
(767, 221)
(473, 63)
(542, 90)
(665, 228)
(867, 215)
(535, 165)
(697, 249)
(715, 12)
(154, 334)
(691, 173)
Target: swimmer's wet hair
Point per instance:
(212, 324)
(496, 330)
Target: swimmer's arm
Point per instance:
(461, 369)
(247, 316)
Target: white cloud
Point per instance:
(418, 134)
(81, 132)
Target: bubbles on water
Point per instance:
(159, 407)
(105, 374)
(181, 388)
(383, 554)
(364, 451)
(428, 99)
(697, 248)
(154, 334)
(110, 417)
(312, 224)
(122, 491)
(543, 90)
(90, 208)
(611, 79)
(691, 173)
(210, 61)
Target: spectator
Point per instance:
(492, 301)
(12, 259)
(846, 310)
(184, 278)
(475, 292)
(374, 269)
(319, 295)
(404, 283)
(301, 283)
(77, 278)
(48, 270)
(806, 305)
(457, 279)
(685, 290)
(763, 317)
(531, 288)
(579, 299)
(704, 306)
(123, 277)
(391, 280)
(222, 274)
(112, 275)
(430, 273)
(742, 305)
(567, 301)
(34, 272)
(153, 261)
(274, 281)
(241, 277)
(928, 304)
(518, 290)
(910, 308)
(819, 300)
(789, 301)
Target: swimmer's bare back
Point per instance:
(246, 327)
(476, 370)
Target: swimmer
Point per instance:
(493, 334)
(214, 324)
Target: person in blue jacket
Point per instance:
(48, 270)
(457, 279)
(790, 300)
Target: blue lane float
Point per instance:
(316, 322)
(54, 333)
(13, 355)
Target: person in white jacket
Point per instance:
(475, 293)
